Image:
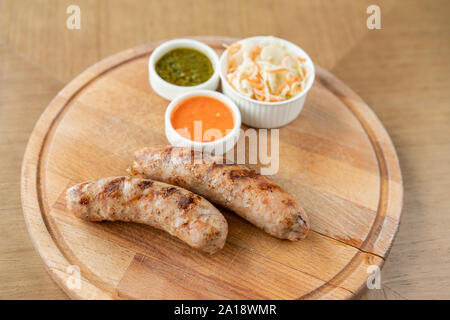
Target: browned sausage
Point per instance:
(238, 188)
(181, 213)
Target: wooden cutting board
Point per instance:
(335, 158)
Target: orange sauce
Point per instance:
(202, 119)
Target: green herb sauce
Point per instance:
(184, 67)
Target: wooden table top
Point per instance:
(401, 71)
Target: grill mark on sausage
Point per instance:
(145, 184)
(176, 181)
(242, 174)
(84, 201)
(142, 195)
(267, 186)
(299, 217)
(166, 192)
(112, 188)
(287, 221)
(166, 152)
(193, 154)
(188, 201)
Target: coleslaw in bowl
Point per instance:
(268, 78)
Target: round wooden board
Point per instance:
(335, 158)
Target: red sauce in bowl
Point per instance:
(202, 119)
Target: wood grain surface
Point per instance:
(336, 159)
(401, 71)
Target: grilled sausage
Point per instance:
(238, 188)
(181, 213)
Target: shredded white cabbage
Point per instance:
(265, 70)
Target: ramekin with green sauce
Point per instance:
(183, 65)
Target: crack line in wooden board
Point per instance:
(347, 244)
(382, 203)
(349, 267)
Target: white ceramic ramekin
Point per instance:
(261, 114)
(217, 147)
(170, 91)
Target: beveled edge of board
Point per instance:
(54, 259)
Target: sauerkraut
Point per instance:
(265, 70)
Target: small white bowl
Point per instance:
(261, 114)
(170, 91)
(217, 147)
